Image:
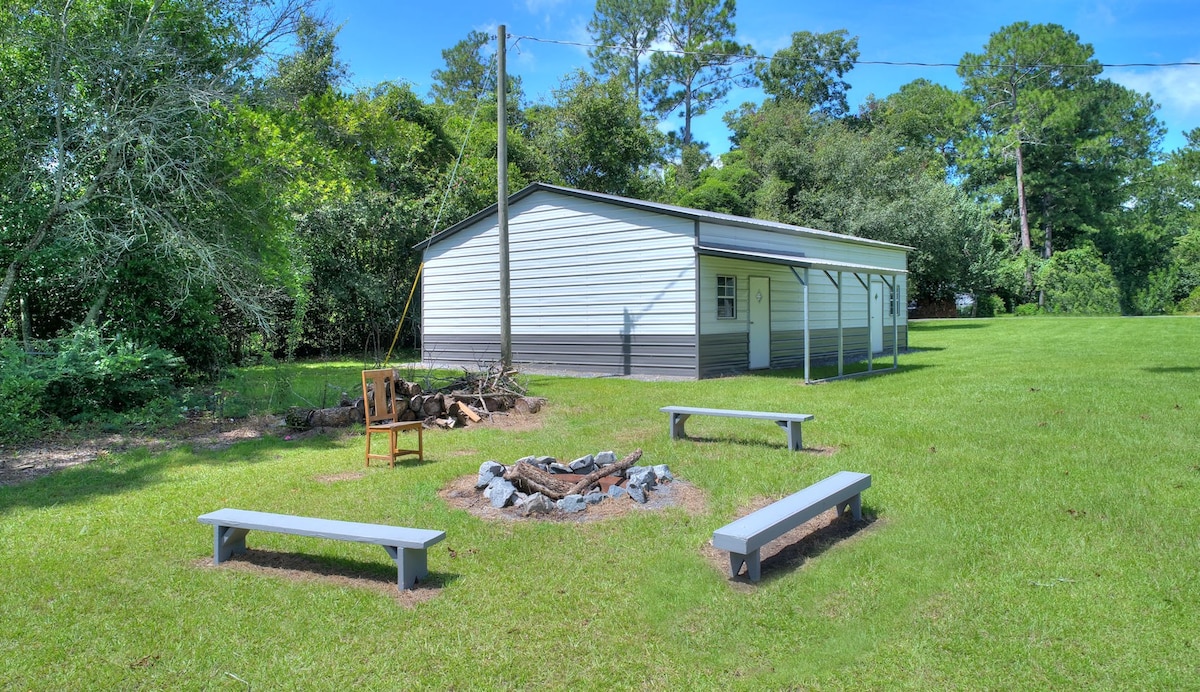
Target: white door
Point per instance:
(877, 301)
(760, 322)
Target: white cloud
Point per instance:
(1175, 88)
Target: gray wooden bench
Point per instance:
(405, 546)
(744, 537)
(788, 421)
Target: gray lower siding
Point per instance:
(724, 354)
(672, 355)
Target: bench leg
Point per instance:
(677, 420)
(792, 427)
(854, 504)
(227, 542)
(411, 565)
(750, 559)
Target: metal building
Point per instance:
(611, 285)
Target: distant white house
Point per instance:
(606, 284)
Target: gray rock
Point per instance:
(487, 471)
(663, 473)
(537, 503)
(606, 458)
(617, 491)
(572, 503)
(584, 465)
(527, 460)
(546, 460)
(594, 498)
(560, 468)
(638, 495)
(499, 492)
(641, 477)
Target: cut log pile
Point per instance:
(472, 398)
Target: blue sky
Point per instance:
(402, 40)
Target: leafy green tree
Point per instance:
(697, 71)
(923, 115)
(469, 76)
(1022, 85)
(815, 171)
(314, 68)
(119, 119)
(1154, 247)
(594, 136)
(625, 30)
(811, 71)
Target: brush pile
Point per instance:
(471, 398)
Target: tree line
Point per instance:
(198, 175)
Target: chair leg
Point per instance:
(392, 447)
(368, 449)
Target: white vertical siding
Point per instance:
(787, 299)
(577, 266)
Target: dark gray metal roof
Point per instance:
(668, 209)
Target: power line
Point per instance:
(735, 57)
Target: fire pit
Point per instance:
(542, 484)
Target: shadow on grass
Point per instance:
(858, 369)
(785, 555)
(944, 324)
(137, 469)
(760, 444)
(304, 567)
(1172, 369)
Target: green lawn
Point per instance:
(1036, 526)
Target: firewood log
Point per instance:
(610, 470)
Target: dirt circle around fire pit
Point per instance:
(461, 493)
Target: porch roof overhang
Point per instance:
(792, 260)
(795, 262)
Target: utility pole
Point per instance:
(502, 200)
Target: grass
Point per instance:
(1035, 492)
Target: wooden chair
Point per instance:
(382, 409)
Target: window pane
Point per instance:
(726, 297)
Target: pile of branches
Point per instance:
(494, 388)
(467, 399)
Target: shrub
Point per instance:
(1157, 298)
(21, 391)
(1191, 304)
(989, 305)
(1078, 282)
(1027, 309)
(91, 376)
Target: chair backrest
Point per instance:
(379, 396)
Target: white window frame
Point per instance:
(727, 295)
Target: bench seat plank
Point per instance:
(788, 421)
(733, 413)
(406, 546)
(744, 537)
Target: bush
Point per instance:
(989, 305)
(1078, 282)
(91, 376)
(1027, 310)
(21, 391)
(1157, 298)
(1191, 304)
